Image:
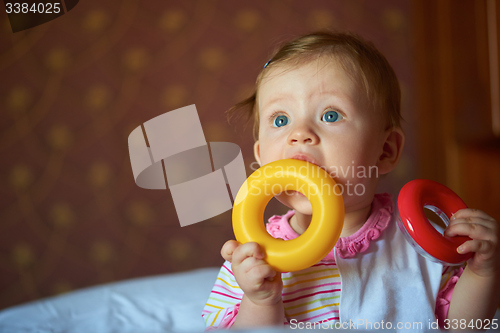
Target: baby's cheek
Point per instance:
(353, 184)
(355, 175)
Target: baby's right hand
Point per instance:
(260, 282)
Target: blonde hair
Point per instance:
(359, 58)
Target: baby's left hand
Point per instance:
(484, 232)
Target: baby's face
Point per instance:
(317, 113)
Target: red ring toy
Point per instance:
(419, 232)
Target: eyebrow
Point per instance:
(278, 99)
(275, 100)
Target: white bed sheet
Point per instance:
(167, 303)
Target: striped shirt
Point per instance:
(309, 295)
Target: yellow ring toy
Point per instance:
(327, 219)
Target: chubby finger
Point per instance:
(477, 246)
(475, 230)
(227, 250)
(264, 271)
(250, 249)
(470, 213)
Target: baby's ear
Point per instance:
(256, 151)
(391, 150)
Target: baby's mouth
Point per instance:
(306, 158)
(303, 157)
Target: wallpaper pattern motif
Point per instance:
(73, 89)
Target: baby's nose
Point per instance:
(303, 135)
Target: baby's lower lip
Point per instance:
(305, 159)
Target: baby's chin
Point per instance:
(296, 201)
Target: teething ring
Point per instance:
(429, 242)
(327, 219)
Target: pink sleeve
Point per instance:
(444, 297)
(278, 226)
(228, 319)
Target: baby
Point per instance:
(333, 100)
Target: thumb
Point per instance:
(228, 249)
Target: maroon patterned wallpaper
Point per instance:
(72, 90)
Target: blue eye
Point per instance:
(331, 116)
(280, 121)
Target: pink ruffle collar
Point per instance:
(346, 247)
